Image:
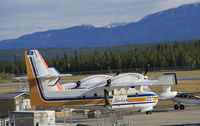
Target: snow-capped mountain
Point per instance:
(181, 23)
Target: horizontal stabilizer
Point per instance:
(54, 73)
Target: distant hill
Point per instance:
(161, 56)
(54, 53)
(181, 23)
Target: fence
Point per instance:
(3, 120)
(97, 118)
(104, 118)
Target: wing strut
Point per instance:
(106, 97)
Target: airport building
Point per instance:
(15, 101)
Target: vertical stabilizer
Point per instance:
(38, 69)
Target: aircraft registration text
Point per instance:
(120, 99)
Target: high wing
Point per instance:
(132, 79)
(88, 82)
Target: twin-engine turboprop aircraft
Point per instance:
(94, 92)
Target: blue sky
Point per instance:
(19, 17)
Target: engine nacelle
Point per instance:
(168, 95)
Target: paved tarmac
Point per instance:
(18, 86)
(167, 117)
(188, 117)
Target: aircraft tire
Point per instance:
(176, 107)
(182, 107)
(148, 112)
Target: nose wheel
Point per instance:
(148, 112)
(177, 107)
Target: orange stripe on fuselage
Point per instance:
(137, 99)
(155, 98)
(141, 99)
(39, 102)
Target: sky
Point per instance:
(19, 17)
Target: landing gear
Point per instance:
(148, 112)
(182, 107)
(176, 107)
(107, 102)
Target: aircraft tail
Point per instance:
(37, 69)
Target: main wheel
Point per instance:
(148, 112)
(182, 107)
(176, 107)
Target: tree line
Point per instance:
(165, 54)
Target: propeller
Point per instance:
(110, 71)
(117, 73)
(78, 83)
(146, 70)
(108, 83)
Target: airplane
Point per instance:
(186, 99)
(19, 79)
(124, 91)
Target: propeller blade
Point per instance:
(146, 70)
(117, 73)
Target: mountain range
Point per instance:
(181, 23)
